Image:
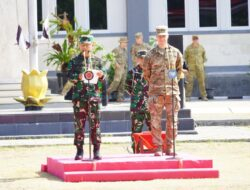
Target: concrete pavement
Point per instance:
(218, 111)
(205, 134)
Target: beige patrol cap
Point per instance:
(138, 34)
(123, 39)
(162, 30)
(195, 37)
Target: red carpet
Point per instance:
(130, 168)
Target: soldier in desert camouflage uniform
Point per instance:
(85, 97)
(137, 87)
(121, 67)
(195, 57)
(138, 45)
(156, 66)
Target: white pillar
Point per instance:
(33, 51)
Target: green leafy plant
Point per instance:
(109, 61)
(152, 41)
(97, 48)
(61, 54)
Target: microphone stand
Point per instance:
(172, 75)
(90, 133)
(173, 118)
(88, 101)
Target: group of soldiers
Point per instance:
(149, 84)
(121, 65)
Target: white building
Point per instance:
(223, 26)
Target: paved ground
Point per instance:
(205, 134)
(217, 112)
(219, 108)
(228, 146)
(213, 110)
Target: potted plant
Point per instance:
(59, 57)
(61, 54)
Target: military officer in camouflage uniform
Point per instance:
(85, 97)
(137, 87)
(121, 67)
(158, 62)
(195, 56)
(138, 45)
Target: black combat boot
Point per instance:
(97, 152)
(79, 152)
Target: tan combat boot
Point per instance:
(158, 151)
(204, 99)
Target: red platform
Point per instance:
(130, 168)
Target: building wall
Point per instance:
(224, 45)
(224, 49)
(117, 27)
(117, 16)
(221, 49)
(13, 60)
(157, 13)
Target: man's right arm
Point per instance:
(204, 55)
(117, 59)
(73, 75)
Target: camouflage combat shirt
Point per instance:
(78, 65)
(137, 87)
(195, 55)
(121, 56)
(156, 66)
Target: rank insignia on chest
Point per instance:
(90, 76)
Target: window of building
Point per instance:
(39, 15)
(68, 7)
(239, 12)
(207, 11)
(176, 14)
(98, 14)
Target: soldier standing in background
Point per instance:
(137, 87)
(138, 45)
(121, 67)
(85, 97)
(195, 57)
(158, 62)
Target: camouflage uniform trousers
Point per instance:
(118, 84)
(137, 123)
(156, 105)
(80, 117)
(196, 71)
